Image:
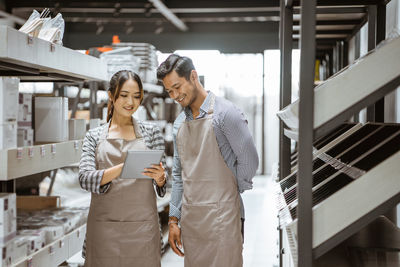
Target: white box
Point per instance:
(35, 238)
(8, 217)
(8, 99)
(77, 129)
(6, 254)
(25, 111)
(24, 137)
(8, 135)
(51, 119)
(94, 123)
(21, 247)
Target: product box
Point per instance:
(24, 111)
(24, 137)
(8, 217)
(8, 99)
(6, 253)
(94, 123)
(8, 135)
(36, 239)
(21, 247)
(51, 119)
(77, 129)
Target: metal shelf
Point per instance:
(34, 59)
(23, 161)
(57, 252)
(352, 89)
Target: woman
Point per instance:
(122, 227)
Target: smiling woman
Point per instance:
(122, 227)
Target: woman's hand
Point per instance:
(157, 172)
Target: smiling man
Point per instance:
(214, 161)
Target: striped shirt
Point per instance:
(234, 141)
(90, 177)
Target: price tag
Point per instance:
(78, 233)
(29, 263)
(51, 250)
(53, 148)
(42, 151)
(52, 47)
(30, 152)
(61, 243)
(19, 153)
(76, 145)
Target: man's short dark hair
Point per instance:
(182, 65)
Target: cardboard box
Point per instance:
(8, 99)
(36, 239)
(25, 111)
(77, 129)
(29, 203)
(51, 119)
(8, 135)
(21, 247)
(24, 137)
(8, 217)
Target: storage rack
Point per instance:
(324, 39)
(32, 60)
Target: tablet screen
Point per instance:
(137, 160)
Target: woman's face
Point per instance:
(128, 100)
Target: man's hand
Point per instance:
(174, 239)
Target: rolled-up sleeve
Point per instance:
(89, 176)
(236, 130)
(159, 144)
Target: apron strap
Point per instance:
(212, 102)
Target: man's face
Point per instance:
(180, 89)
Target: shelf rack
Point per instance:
(56, 252)
(34, 59)
(23, 161)
(325, 39)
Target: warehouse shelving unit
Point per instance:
(316, 233)
(33, 60)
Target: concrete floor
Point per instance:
(261, 236)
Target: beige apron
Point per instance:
(210, 206)
(122, 228)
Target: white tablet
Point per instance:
(137, 160)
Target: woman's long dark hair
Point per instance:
(117, 81)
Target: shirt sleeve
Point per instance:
(235, 128)
(158, 144)
(177, 184)
(89, 176)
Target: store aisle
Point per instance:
(261, 236)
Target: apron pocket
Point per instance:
(104, 240)
(200, 221)
(139, 239)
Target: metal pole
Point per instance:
(286, 85)
(380, 36)
(306, 130)
(263, 118)
(372, 13)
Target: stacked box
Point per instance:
(51, 119)
(25, 133)
(8, 217)
(8, 135)
(8, 112)
(25, 137)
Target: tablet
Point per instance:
(137, 160)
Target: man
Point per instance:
(214, 160)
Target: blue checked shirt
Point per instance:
(234, 141)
